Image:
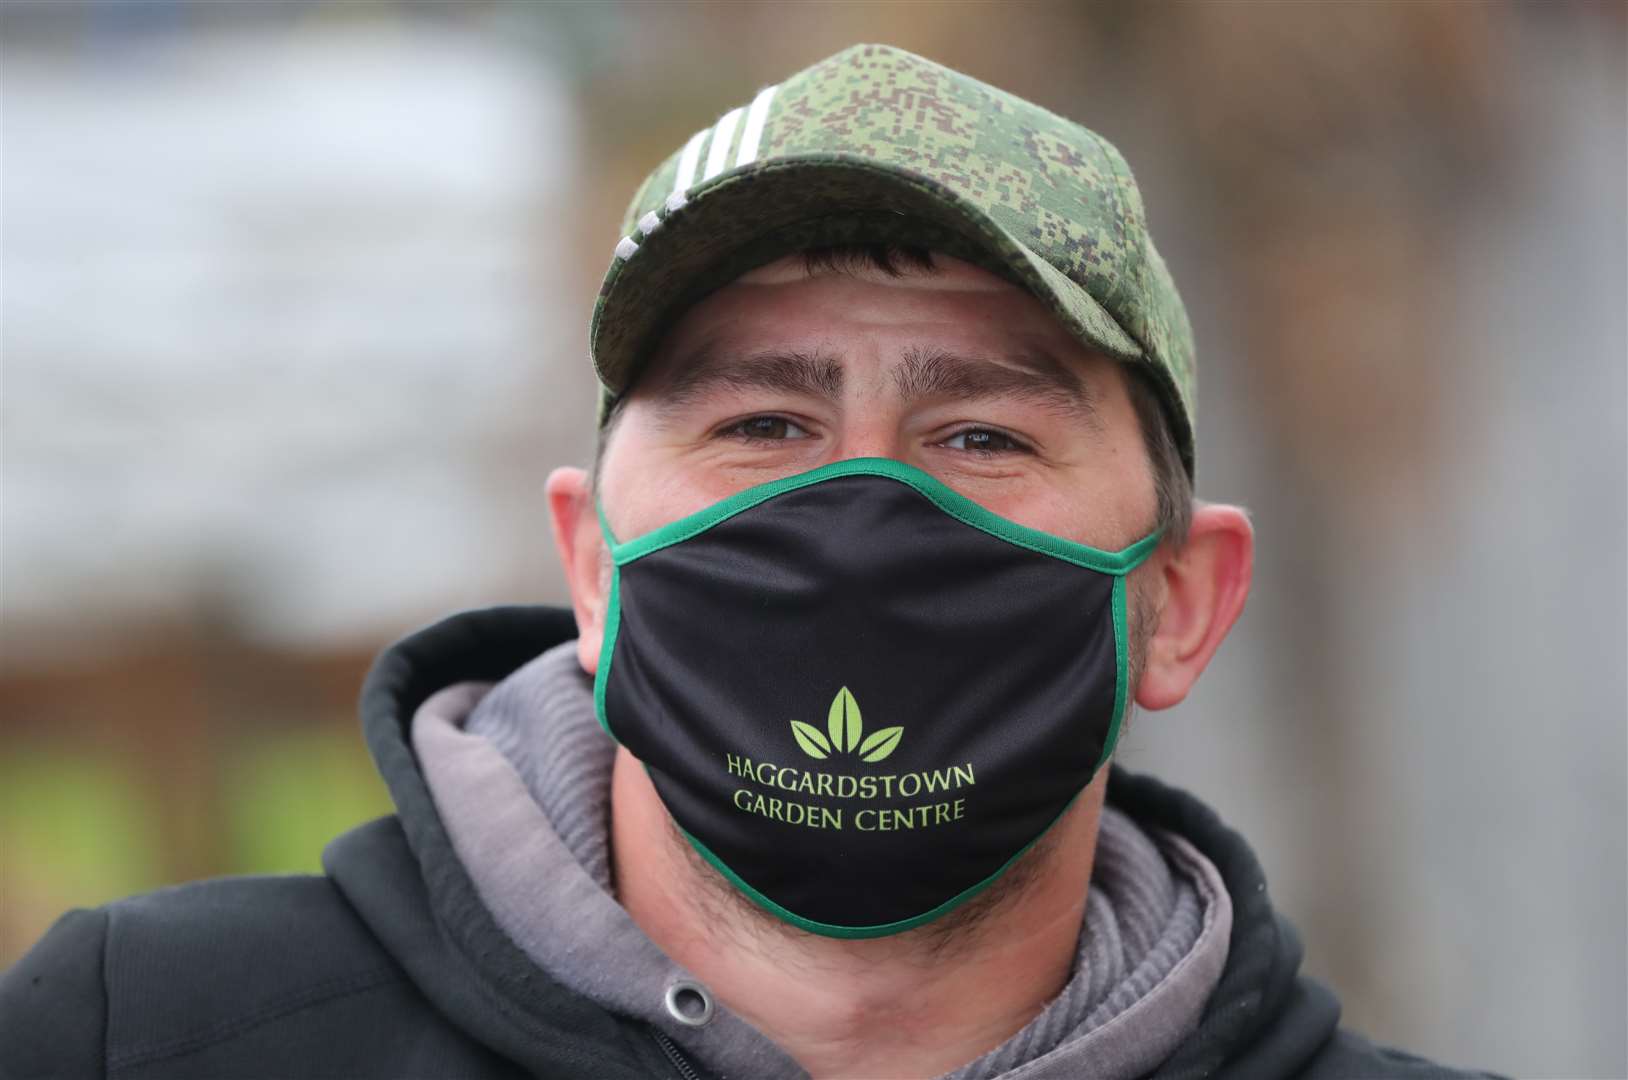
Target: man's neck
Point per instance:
(908, 1005)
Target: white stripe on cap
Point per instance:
(752, 134)
(687, 161)
(722, 136)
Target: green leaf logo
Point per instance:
(845, 733)
(809, 738)
(879, 744)
(843, 721)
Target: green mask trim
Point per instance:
(607, 643)
(940, 494)
(1122, 672)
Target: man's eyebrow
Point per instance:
(805, 374)
(1033, 375)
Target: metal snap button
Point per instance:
(689, 1003)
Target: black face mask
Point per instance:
(862, 696)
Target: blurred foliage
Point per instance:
(76, 829)
(82, 827)
(291, 792)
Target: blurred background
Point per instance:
(295, 299)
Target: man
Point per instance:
(889, 525)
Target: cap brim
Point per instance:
(755, 215)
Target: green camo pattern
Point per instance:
(879, 144)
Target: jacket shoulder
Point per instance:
(200, 974)
(162, 976)
(53, 1009)
(221, 939)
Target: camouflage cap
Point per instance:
(879, 145)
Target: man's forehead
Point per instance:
(776, 329)
(803, 303)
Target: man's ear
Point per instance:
(1204, 585)
(583, 557)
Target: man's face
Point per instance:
(953, 370)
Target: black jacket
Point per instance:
(389, 966)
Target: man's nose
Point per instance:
(869, 432)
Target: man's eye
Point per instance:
(768, 428)
(983, 441)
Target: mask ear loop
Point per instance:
(1139, 554)
(613, 625)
